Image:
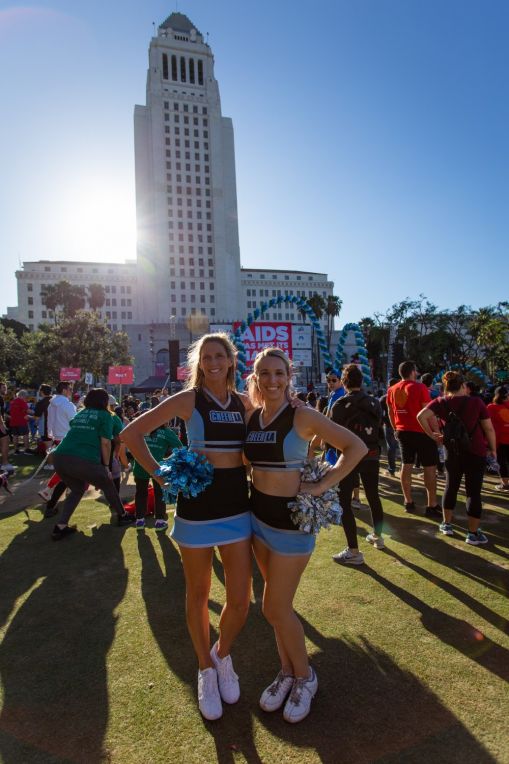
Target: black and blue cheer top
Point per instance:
(214, 426)
(275, 446)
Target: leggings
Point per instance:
(503, 459)
(141, 496)
(472, 467)
(77, 473)
(368, 471)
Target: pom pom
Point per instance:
(312, 513)
(186, 472)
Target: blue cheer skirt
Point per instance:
(208, 533)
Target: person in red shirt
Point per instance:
(404, 401)
(18, 412)
(499, 415)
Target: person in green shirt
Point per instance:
(160, 443)
(83, 457)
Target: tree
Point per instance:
(490, 327)
(333, 307)
(82, 341)
(317, 303)
(11, 351)
(69, 297)
(96, 296)
(17, 327)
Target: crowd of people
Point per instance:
(257, 443)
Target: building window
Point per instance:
(182, 69)
(44, 314)
(30, 314)
(30, 287)
(200, 72)
(191, 70)
(165, 66)
(174, 74)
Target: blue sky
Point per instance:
(371, 138)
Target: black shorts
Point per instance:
(272, 510)
(417, 444)
(226, 496)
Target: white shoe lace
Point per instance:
(225, 670)
(276, 684)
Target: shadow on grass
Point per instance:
(53, 655)
(455, 632)
(496, 620)
(367, 709)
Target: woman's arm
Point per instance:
(310, 423)
(181, 405)
(105, 452)
(489, 431)
(429, 424)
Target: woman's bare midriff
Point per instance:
(222, 460)
(277, 483)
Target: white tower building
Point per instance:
(186, 199)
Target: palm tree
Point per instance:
(96, 296)
(74, 300)
(53, 296)
(333, 307)
(317, 304)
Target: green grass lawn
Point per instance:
(411, 649)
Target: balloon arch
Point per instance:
(302, 305)
(467, 369)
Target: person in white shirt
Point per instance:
(60, 412)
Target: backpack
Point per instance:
(363, 417)
(457, 438)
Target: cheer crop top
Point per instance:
(275, 446)
(214, 426)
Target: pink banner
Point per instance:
(266, 334)
(182, 373)
(69, 374)
(120, 375)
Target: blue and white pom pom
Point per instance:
(312, 513)
(186, 472)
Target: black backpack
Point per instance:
(362, 415)
(457, 438)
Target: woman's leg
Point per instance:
(262, 556)
(369, 471)
(236, 560)
(453, 475)
(197, 565)
(159, 505)
(503, 461)
(474, 474)
(140, 497)
(348, 519)
(283, 576)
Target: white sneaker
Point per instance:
(298, 704)
(227, 679)
(356, 504)
(276, 693)
(377, 541)
(49, 468)
(8, 468)
(349, 557)
(45, 493)
(209, 700)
